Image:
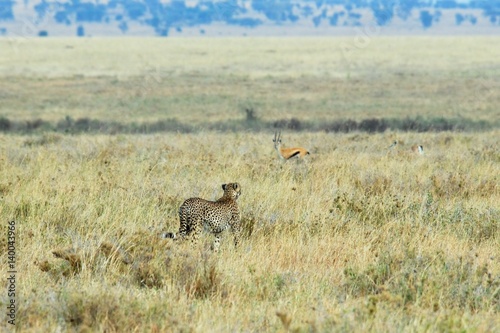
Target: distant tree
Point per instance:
(73, 11)
(279, 11)
(224, 10)
(80, 31)
(89, 12)
(123, 26)
(62, 17)
(334, 19)
(6, 12)
(447, 4)
(405, 7)
(426, 18)
(317, 20)
(306, 10)
(42, 8)
(492, 10)
(135, 9)
(383, 11)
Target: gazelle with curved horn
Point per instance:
(287, 153)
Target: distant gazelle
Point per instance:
(287, 153)
(393, 146)
(417, 149)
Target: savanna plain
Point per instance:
(101, 140)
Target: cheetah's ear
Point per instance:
(224, 187)
(235, 186)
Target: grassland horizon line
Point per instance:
(369, 125)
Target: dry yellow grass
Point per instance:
(206, 80)
(355, 238)
(255, 57)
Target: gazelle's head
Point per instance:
(277, 140)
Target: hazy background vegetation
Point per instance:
(101, 140)
(232, 17)
(255, 84)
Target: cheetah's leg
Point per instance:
(236, 230)
(216, 242)
(196, 229)
(184, 223)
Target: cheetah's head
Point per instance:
(232, 190)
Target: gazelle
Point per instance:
(417, 149)
(287, 153)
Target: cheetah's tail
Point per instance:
(169, 235)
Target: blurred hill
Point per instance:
(26, 18)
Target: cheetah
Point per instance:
(216, 216)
